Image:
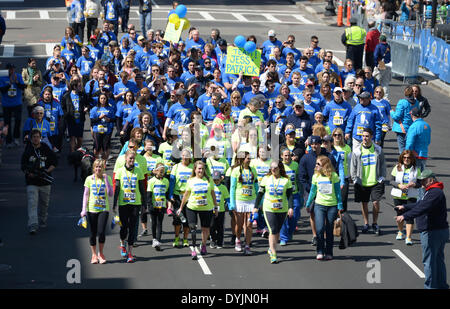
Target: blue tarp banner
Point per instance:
(434, 55)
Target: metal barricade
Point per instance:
(405, 57)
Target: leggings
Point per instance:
(97, 222)
(157, 221)
(128, 216)
(217, 228)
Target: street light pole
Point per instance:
(330, 9)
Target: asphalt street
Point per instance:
(44, 260)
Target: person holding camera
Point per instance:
(38, 161)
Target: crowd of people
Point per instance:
(198, 143)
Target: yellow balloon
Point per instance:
(187, 24)
(174, 19)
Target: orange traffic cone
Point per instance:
(340, 14)
(349, 12)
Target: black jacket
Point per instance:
(34, 161)
(68, 108)
(349, 231)
(307, 165)
(431, 211)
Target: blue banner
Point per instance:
(434, 55)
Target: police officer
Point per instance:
(354, 38)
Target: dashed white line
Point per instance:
(44, 15)
(206, 15)
(10, 14)
(239, 17)
(202, 262)
(271, 18)
(303, 19)
(409, 263)
(8, 50)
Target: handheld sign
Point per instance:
(173, 32)
(238, 60)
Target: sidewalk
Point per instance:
(316, 8)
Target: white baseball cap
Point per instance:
(271, 33)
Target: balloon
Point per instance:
(187, 24)
(170, 13)
(177, 24)
(181, 10)
(250, 47)
(174, 19)
(239, 41)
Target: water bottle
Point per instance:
(182, 217)
(82, 222)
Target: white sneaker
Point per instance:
(238, 246)
(399, 235)
(319, 257)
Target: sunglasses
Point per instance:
(337, 134)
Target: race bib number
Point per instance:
(359, 131)
(298, 133)
(12, 92)
(129, 196)
(277, 204)
(201, 200)
(247, 190)
(338, 121)
(100, 203)
(325, 188)
(384, 127)
(102, 129)
(159, 202)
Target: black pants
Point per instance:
(128, 216)
(217, 228)
(205, 221)
(125, 18)
(78, 28)
(97, 222)
(157, 222)
(8, 114)
(344, 194)
(369, 60)
(355, 53)
(91, 24)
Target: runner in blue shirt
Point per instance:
(102, 122)
(195, 42)
(112, 13)
(210, 111)
(270, 44)
(85, 63)
(179, 114)
(53, 113)
(37, 121)
(337, 111)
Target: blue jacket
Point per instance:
(418, 138)
(382, 53)
(364, 117)
(307, 165)
(431, 211)
(402, 118)
(112, 9)
(337, 114)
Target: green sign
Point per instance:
(238, 60)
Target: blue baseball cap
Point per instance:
(288, 131)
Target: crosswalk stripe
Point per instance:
(10, 14)
(239, 17)
(206, 15)
(409, 263)
(44, 15)
(303, 19)
(8, 50)
(271, 18)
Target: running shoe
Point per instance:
(247, 251)
(376, 229)
(194, 255)
(238, 246)
(203, 250)
(314, 241)
(212, 244)
(176, 242)
(265, 233)
(144, 233)
(219, 246)
(399, 236)
(283, 243)
(123, 251)
(328, 257)
(408, 242)
(319, 257)
(185, 243)
(131, 258)
(273, 259)
(365, 229)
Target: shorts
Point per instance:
(245, 206)
(365, 194)
(398, 202)
(274, 221)
(75, 129)
(102, 141)
(206, 217)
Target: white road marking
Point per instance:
(44, 15)
(303, 19)
(409, 263)
(239, 17)
(202, 262)
(271, 18)
(10, 14)
(155, 4)
(8, 51)
(206, 15)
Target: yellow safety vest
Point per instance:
(355, 35)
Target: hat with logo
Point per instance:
(315, 139)
(217, 175)
(298, 103)
(271, 32)
(364, 95)
(289, 131)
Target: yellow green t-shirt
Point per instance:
(182, 174)
(369, 166)
(275, 199)
(261, 167)
(165, 149)
(326, 194)
(129, 186)
(98, 198)
(159, 188)
(200, 194)
(151, 164)
(213, 165)
(292, 173)
(139, 162)
(245, 190)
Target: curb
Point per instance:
(303, 6)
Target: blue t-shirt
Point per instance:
(13, 95)
(102, 126)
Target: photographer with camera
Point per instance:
(38, 162)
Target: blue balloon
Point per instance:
(239, 41)
(250, 47)
(181, 10)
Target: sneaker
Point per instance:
(219, 246)
(33, 230)
(328, 257)
(319, 257)
(233, 240)
(203, 250)
(408, 242)
(265, 233)
(247, 251)
(123, 251)
(194, 255)
(157, 245)
(399, 236)
(16, 143)
(131, 258)
(185, 243)
(212, 244)
(376, 229)
(365, 229)
(144, 233)
(283, 243)
(314, 241)
(238, 246)
(254, 224)
(273, 259)
(176, 242)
